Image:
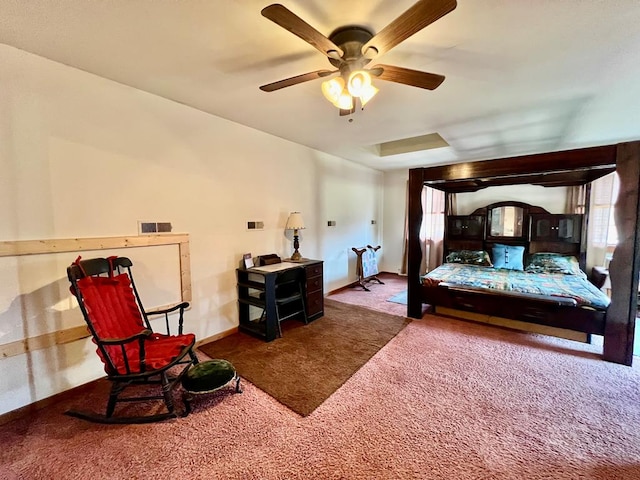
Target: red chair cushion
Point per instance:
(160, 351)
(114, 313)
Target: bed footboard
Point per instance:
(559, 312)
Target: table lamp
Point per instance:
(295, 223)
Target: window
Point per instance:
(605, 193)
(432, 229)
(603, 235)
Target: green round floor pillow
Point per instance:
(208, 376)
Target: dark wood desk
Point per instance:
(256, 287)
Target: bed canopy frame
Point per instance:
(565, 168)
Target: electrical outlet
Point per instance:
(331, 223)
(373, 222)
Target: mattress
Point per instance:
(576, 287)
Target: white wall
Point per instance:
(395, 200)
(552, 199)
(81, 156)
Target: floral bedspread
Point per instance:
(556, 284)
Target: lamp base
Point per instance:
(296, 244)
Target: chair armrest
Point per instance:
(166, 311)
(120, 341)
(181, 306)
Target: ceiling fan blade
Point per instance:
(290, 21)
(415, 78)
(287, 82)
(420, 15)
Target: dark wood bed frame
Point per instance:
(566, 168)
(550, 311)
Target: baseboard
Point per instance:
(356, 284)
(340, 289)
(217, 336)
(34, 407)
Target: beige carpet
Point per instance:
(444, 399)
(310, 362)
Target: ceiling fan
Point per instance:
(351, 48)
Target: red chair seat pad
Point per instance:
(160, 351)
(111, 304)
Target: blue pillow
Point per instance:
(508, 256)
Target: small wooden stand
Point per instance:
(366, 266)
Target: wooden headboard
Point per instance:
(530, 226)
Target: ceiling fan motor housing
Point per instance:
(350, 40)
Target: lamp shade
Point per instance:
(295, 221)
(358, 82)
(331, 89)
(367, 94)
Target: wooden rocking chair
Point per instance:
(131, 352)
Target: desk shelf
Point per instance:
(254, 300)
(252, 284)
(261, 294)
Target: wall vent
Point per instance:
(154, 227)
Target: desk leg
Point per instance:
(243, 308)
(271, 314)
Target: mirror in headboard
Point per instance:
(506, 221)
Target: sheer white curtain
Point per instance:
(602, 235)
(576, 199)
(431, 230)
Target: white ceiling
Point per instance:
(522, 76)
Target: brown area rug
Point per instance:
(310, 362)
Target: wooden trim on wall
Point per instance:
(64, 245)
(46, 340)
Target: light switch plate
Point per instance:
(255, 225)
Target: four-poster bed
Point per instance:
(567, 168)
(512, 260)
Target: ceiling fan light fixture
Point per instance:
(358, 82)
(351, 48)
(345, 101)
(332, 89)
(367, 94)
